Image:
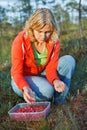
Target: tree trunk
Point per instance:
(80, 17)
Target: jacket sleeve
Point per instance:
(51, 68)
(17, 63)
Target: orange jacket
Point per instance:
(23, 62)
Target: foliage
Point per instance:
(69, 116)
(72, 114)
(24, 8)
(7, 32)
(2, 14)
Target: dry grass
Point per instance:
(70, 116)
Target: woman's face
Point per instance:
(43, 35)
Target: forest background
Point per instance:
(71, 17)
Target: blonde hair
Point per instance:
(38, 20)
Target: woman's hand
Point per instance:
(28, 95)
(59, 85)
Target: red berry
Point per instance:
(30, 109)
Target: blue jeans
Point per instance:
(42, 89)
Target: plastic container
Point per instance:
(30, 116)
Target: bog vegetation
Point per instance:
(72, 115)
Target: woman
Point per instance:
(38, 74)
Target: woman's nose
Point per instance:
(44, 35)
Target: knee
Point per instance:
(66, 66)
(68, 62)
(71, 60)
(71, 63)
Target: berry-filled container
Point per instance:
(30, 112)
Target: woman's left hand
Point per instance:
(59, 85)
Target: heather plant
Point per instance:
(69, 116)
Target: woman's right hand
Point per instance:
(28, 95)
